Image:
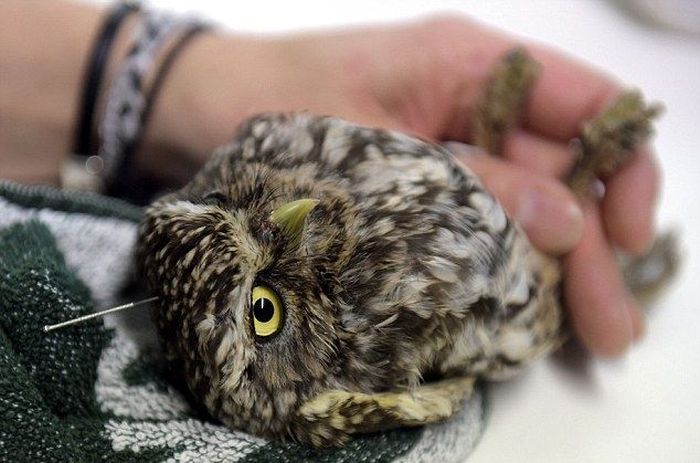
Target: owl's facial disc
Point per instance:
(267, 312)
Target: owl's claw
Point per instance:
(501, 106)
(608, 140)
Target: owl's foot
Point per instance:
(332, 417)
(608, 140)
(501, 106)
(648, 274)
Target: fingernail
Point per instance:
(553, 221)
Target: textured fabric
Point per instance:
(96, 393)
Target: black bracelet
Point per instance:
(94, 73)
(123, 184)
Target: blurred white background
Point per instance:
(645, 408)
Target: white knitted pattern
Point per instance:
(453, 440)
(98, 248)
(201, 441)
(143, 402)
(162, 414)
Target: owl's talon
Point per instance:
(608, 140)
(501, 106)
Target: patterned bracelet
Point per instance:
(80, 167)
(128, 107)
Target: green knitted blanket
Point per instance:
(94, 392)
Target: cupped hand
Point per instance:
(425, 78)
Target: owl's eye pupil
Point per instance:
(263, 309)
(267, 311)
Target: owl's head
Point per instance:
(244, 308)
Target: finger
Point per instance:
(629, 203)
(603, 314)
(544, 207)
(538, 154)
(566, 93)
(631, 194)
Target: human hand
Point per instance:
(425, 78)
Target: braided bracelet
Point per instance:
(80, 168)
(123, 180)
(127, 107)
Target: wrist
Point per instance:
(40, 95)
(133, 92)
(217, 81)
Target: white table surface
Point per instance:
(644, 408)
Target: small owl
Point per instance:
(318, 278)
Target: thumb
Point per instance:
(543, 206)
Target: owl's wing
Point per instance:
(330, 417)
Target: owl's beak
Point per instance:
(290, 217)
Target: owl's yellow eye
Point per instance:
(267, 311)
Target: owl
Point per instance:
(318, 278)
